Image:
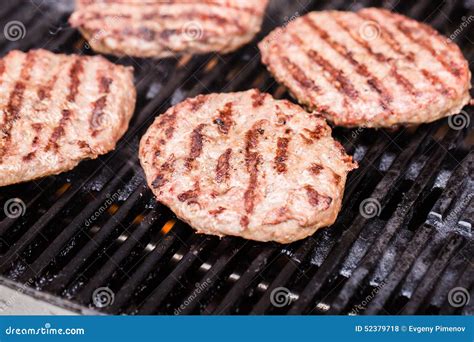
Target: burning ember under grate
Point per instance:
(94, 238)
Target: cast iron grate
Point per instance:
(97, 230)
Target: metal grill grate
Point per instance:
(98, 226)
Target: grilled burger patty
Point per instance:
(370, 68)
(162, 28)
(59, 109)
(246, 164)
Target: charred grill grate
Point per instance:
(97, 228)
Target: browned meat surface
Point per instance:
(162, 28)
(370, 68)
(57, 110)
(246, 164)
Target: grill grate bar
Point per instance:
(349, 236)
(433, 273)
(159, 277)
(68, 232)
(212, 276)
(465, 281)
(243, 283)
(447, 280)
(398, 219)
(149, 262)
(35, 230)
(115, 260)
(8, 222)
(165, 287)
(413, 249)
(76, 263)
(285, 275)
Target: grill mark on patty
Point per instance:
(223, 165)
(44, 92)
(196, 146)
(190, 196)
(159, 181)
(99, 105)
(37, 128)
(98, 15)
(217, 211)
(168, 119)
(315, 198)
(15, 102)
(407, 31)
(435, 80)
(252, 160)
(299, 76)
(257, 99)
(193, 15)
(400, 79)
(224, 120)
(387, 37)
(336, 76)
(282, 154)
(361, 69)
(315, 169)
(315, 134)
(197, 102)
(76, 69)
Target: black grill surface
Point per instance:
(94, 239)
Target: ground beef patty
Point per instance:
(245, 164)
(59, 109)
(370, 68)
(162, 28)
